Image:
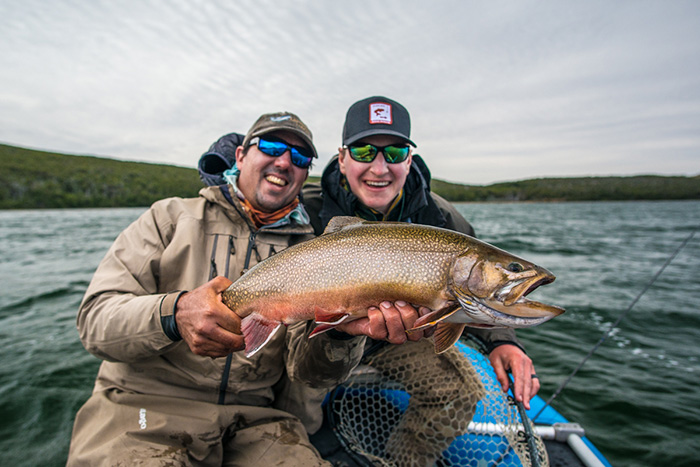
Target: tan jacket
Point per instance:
(180, 244)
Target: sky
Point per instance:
(497, 90)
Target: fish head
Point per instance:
(491, 286)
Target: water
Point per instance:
(637, 397)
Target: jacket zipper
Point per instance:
(229, 357)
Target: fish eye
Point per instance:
(515, 267)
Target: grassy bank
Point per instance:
(36, 179)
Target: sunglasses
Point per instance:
(368, 152)
(301, 156)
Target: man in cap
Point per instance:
(173, 386)
(377, 177)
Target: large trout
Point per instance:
(357, 264)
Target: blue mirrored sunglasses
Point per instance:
(301, 156)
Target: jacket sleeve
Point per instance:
(491, 338)
(322, 361)
(119, 318)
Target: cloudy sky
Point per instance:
(497, 90)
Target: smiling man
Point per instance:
(173, 387)
(377, 177)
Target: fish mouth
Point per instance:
(508, 306)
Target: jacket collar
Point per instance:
(223, 197)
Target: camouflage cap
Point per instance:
(279, 121)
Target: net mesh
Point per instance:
(408, 406)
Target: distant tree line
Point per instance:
(32, 179)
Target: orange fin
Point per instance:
(257, 332)
(446, 334)
(433, 318)
(332, 318)
(320, 329)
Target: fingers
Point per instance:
(511, 357)
(389, 321)
(208, 327)
(501, 374)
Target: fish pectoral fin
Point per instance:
(446, 334)
(320, 329)
(338, 222)
(332, 318)
(433, 318)
(257, 332)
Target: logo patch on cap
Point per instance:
(280, 119)
(380, 112)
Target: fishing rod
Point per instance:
(620, 318)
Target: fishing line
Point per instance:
(612, 328)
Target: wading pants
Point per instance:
(114, 428)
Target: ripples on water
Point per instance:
(46, 262)
(636, 397)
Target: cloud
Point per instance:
(497, 91)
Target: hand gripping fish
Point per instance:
(357, 264)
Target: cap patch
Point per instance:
(380, 112)
(280, 119)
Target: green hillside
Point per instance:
(37, 179)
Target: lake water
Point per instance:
(637, 397)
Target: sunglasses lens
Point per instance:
(395, 154)
(272, 148)
(301, 157)
(300, 160)
(365, 153)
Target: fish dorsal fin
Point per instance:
(257, 331)
(446, 334)
(338, 222)
(433, 318)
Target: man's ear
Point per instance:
(240, 154)
(341, 160)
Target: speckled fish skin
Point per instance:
(357, 264)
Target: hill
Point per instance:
(37, 179)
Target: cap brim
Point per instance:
(377, 131)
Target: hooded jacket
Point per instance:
(126, 316)
(420, 206)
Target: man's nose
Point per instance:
(379, 164)
(285, 160)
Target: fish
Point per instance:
(356, 264)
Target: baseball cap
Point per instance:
(376, 116)
(287, 121)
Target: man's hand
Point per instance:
(387, 322)
(511, 357)
(208, 326)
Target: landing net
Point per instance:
(411, 408)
